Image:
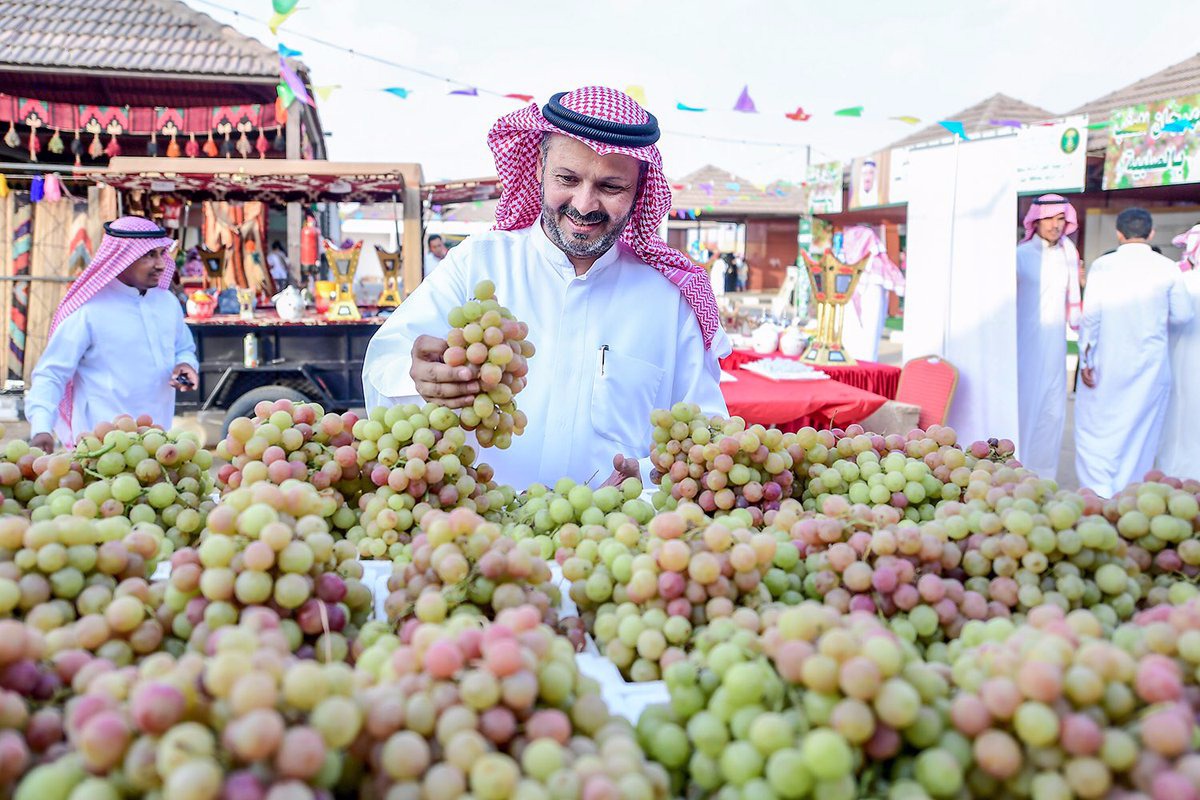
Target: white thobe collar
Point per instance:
(1046, 245)
(1134, 246)
(556, 258)
(125, 290)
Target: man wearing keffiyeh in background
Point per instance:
(1048, 300)
(118, 341)
(623, 324)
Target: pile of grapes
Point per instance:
(832, 614)
(463, 563)
(720, 464)
(560, 519)
(268, 545)
(127, 468)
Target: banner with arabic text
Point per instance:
(1154, 144)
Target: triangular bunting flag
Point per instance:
(524, 98)
(285, 93)
(637, 93)
(323, 92)
(744, 103)
(853, 111)
(682, 107)
(470, 92)
(294, 82)
(799, 115)
(287, 52)
(955, 127)
(1006, 123)
(278, 19)
(907, 120)
(397, 91)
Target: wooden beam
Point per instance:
(122, 165)
(414, 229)
(295, 215)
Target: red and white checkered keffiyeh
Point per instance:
(113, 257)
(1046, 207)
(514, 141)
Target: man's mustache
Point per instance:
(594, 218)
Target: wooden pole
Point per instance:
(295, 214)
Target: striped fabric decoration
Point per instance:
(22, 239)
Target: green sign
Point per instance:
(1154, 144)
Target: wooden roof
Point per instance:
(979, 117)
(130, 52)
(1177, 80)
(732, 195)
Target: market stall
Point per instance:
(299, 352)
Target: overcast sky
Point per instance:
(918, 58)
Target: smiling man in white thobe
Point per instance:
(1133, 295)
(1048, 300)
(623, 324)
(118, 342)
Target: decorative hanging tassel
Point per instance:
(95, 149)
(192, 148)
(227, 146)
(55, 145)
(114, 147)
(261, 144)
(11, 138)
(77, 147)
(278, 142)
(243, 145)
(35, 144)
(37, 189)
(53, 189)
(210, 147)
(152, 145)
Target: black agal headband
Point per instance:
(600, 130)
(157, 233)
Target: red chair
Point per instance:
(928, 382)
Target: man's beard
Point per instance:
(578, 245)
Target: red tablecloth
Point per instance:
(791, 405)
(882, 379)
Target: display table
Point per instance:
(791, 405)
(881, 379)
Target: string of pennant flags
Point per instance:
(291, 87)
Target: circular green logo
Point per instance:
(1070, 140)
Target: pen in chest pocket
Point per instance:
(603, 358)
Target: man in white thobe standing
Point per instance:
(1132, 297)
(118, 341)
(623, 324)
(1048, 300)
(864, 320)
(1179, 455)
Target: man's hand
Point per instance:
(622, 468)
(1088, 374)
(184, 378)
(453, 387)
(42, 441)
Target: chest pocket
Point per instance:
(622, 399)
